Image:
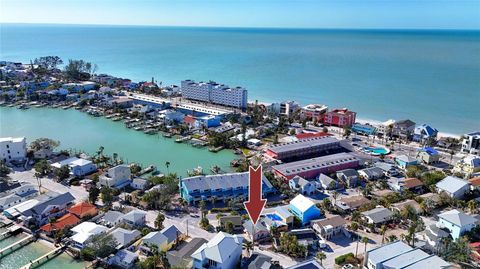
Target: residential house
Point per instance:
(389, 170)
(475, 183)
(116, 177)
(258, 260)
(280, 213)
(313, 112)
(371, 173)
(402, 184)
(53, 206)
(219, 187)
(468, 165)
(471, 143)
(378, 215)
(428, 155)
(404, 161)
(349, 203)
(78, 167)
(135, 218)
(432, 200)
(66, 221)
(328, 183)
(111, 218)
(349, 176)
(304, 148)
(258, 232)
(125, 237)
(140, 183)
(435, 235)
(400, 206)
(222, 252)
(453, 186)
(424, 132)
(124, 259)
(83, 210)
(329, 227)
(164, 239)
(235, 220)
(456, 222)
(306, 237)
(302, 185)
(84, 232)
(311, 264)
(304, 209)
(43, 153)
(181, 257)
(400, 255)
(403, 129)
(16, 196)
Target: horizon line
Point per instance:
(244, 27)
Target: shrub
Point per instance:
(342, 258)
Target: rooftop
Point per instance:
(457, 217)
(302, 203)
(222, 181)
(304, 143)
(315, 163)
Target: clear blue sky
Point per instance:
(436, 14)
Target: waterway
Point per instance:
(80, 131)
(23, 255)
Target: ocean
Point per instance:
(428, 76)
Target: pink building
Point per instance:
(340, 117)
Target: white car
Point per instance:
(322, 243)
(348, 266)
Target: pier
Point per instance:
(44, 258)
(10, 231)
(17, 244)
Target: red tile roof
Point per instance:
(83, 208)
(311, 135)
(67, 220)
(475, 181)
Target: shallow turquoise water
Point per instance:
(429, 76)
(78, 130)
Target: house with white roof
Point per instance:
(456, 222)
(302, 185)
(222, 252)
(124, 259)
(135, 218)
(78, 166)
(84, 231)
(16, 196)
(13, 149)
(304, 209)
(453, 186)
(116, 177)
(125, 237)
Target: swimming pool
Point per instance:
(376, 150)
(274, 217)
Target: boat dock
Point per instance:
(44, 258)
(17, 244)
(10, 231)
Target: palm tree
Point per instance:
(335, 196)
(392, 238)
(167, 164)
(321, 256)
(472, 206)
(383, 229)
(248, 246)
(115, 157)
(365, 241)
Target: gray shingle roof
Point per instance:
(314, 163)
(171, 232)
(451, 184)
(304, 143)
(222, 181)
(60, 199)
(458, 218)
(379, 214)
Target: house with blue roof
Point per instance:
(428, 155)
(363, 129)
(304, 209)
(424, 132)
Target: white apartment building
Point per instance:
(13, 149)
(116, 177)
(214, 93)
(287, 108)
(471, 143)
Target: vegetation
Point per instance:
(107, 196)
(159, 221)
(161, 198)
(48, 62)
(290, 246)
(102, 245)
(93, 194)
(62, 173)
(79, 69)
(43, 168)
(342, 258)
(4, 169)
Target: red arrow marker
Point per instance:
(255, 203)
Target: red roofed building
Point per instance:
(68, 220)
(340, 117)
(475, 183)
(310, 135)
(83, 209)
(189, 120)
(475, 252)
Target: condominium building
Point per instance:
(471, 143)
(305, 148)
(219, 187)
(287, 108)
(340, 117)
(311, 168)
(314, 112)
(214, 93)
(13, 148)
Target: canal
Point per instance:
(80, 131)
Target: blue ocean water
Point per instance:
(428, 76)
